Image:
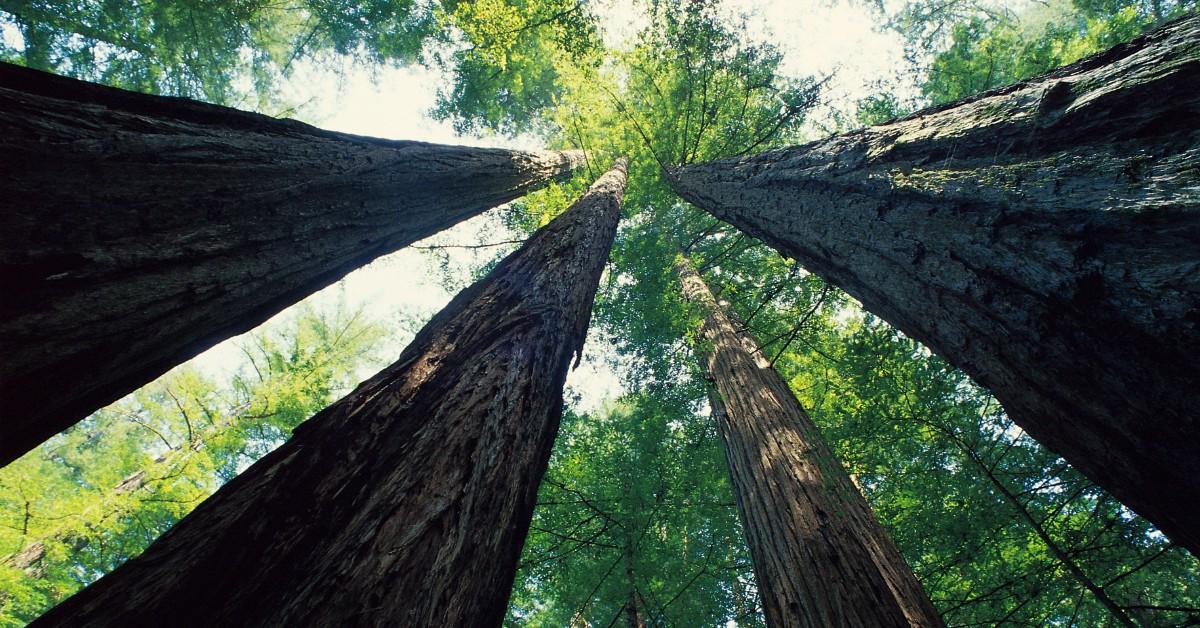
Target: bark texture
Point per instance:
(137, 231)
(821, 558)
(407, 502)
(1043, 237)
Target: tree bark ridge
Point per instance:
(137, 231)
(821, 558)
(1042, 237)
(407, 502)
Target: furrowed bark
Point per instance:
(821, 558)
(137, 231)
(1043, 237)
(407, 502)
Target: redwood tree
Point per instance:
(137, 231)
(821, 558)
(1043, 237)
(407, 502)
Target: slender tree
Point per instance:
(407, 502)
(820, 556)
(1041, 236)
(137, 231)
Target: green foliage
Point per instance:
(927, 25)
(697, 89)
(512, 60)
(878, 109)
(504, 54)
(636, 509)
(693, 88)
(983, 56)
(213, 50)
(99, 493)
(980, 46)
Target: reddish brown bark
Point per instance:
(137, 231)
(407, 502)
(821, 558)
(1042, 237)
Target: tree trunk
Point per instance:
(1043, 237)
(137, 231)
(633, 605)
(821, 558)
(407, 502)
(37, 44)
(48, 21)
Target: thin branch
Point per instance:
(1155, 607)
(703, 234)
(712, 262)
(774, 292)
(1141, 565)
(624, 110)
(138, 420)
(438, 247)
(187, 420)
(1063, 557)
(803, 321)
(591, 595)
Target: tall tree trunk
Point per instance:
(137, 231)
(821, 558)
(407, 502)
(1044, 237)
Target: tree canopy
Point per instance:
(636, 511)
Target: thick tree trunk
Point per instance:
(137, 231)
(1044, 237)
(821, 558)
(407, 502)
